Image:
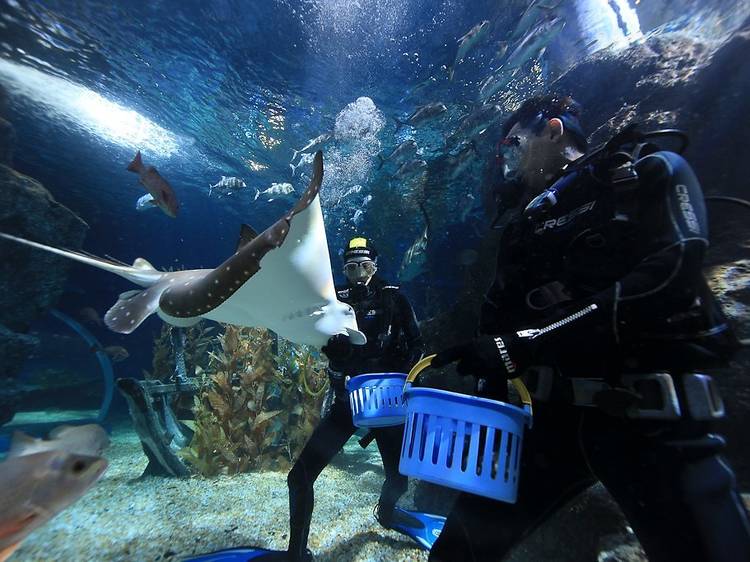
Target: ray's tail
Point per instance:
(141, 272)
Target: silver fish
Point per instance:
(357, 218)
(429, 81)
(415, 257)
(465, 158)
(410, 168)
(423, 114)
(536, 11)
(89, 439)
(227, 183)
(466, 43)
(477, 121)
(495, 82)
(406, 149)
(351, 191)
(502, 50)
(277, 190)
(304, 159)
(145, 203)
(313, 145)
(36, 487)
(466, 206)
(536, 40)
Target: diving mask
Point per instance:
(367, 267)
(510, 152)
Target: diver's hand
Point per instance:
(338, 347)
(503, 356)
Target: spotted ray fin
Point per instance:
(133, 307)
(141, 263)
(247, 234)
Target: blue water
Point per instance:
(232, 88)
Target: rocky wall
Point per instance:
(30, 281)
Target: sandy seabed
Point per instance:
(124, 518)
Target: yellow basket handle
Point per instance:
(425, 362)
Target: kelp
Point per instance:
(259, 401)
(198, 339)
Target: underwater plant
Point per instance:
(198, 339)
(259, 402)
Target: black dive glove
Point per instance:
(504, 356)
(338, 347)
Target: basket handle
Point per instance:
(425, 362)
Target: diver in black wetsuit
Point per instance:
(394, 344)
(600, 304)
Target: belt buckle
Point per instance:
(702, 397)
(668, 406)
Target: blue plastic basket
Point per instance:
(377, 399)
(463, 442)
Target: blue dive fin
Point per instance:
(424, 528)
(242, 554)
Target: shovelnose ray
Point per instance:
(280, 279)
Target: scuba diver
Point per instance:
(394, 344)
(600, 304)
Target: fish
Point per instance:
(277, 190)
(495, 82)
(304, 159)
(429, 81)
(537, 9)
(415, 257)
(423, 114)
(280, 280)
(89, 439)
(410, 168)
(89, 315)
(116, 353)
(227, 183)
(159, 188)
(351, 191)
(35, 488)
(536, 40)
(145, 202)
(404, 150)
(357, 218)
(501, 50)
(475, 123)
(466, 43)
(465, 158)
(587, 46)
(313, 145)
(466, 206)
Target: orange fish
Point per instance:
(157, 186)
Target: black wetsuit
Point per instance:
(393, 345)
(612, 272)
